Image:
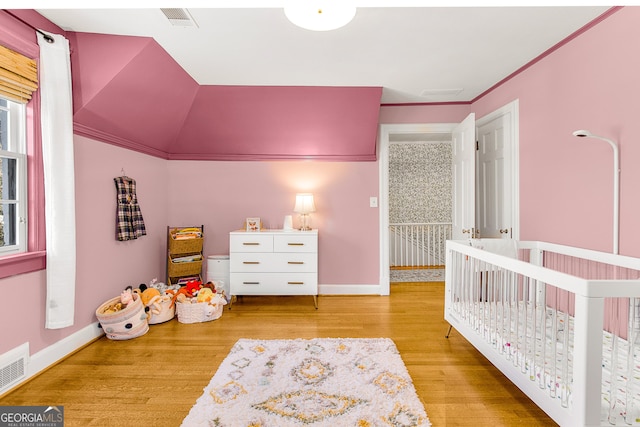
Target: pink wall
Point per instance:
(566, 183)
(221, 195)
(407, 114)
(104, 265)
(217, 194)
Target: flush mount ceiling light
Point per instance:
(320, 15)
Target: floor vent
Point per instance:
(13, 366)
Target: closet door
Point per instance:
(463, 146)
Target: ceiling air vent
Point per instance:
(179, 17)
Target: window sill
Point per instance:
(12, 265)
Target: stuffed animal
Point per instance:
(180, 295)
(113, 308)
(215, 288)
(162, 287)
(150, 298)
(205, 295)
(210, 285)
(192, 287)
(127, 295)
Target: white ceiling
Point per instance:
(417, 54)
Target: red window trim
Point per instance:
(26, 262)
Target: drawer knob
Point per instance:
(295, 244)
(251, 243)
(296, 283)
(250, 283)
(296, 262)
(251, 262)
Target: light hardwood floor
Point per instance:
(154, 380)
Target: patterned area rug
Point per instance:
(417, 275)
(317, 382)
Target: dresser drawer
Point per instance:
(251, 262)
(274, 284)
(251, 242)
(273, 262)
(295, 243)
(296, 262)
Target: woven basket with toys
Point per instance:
(123, 317)
(197, 303)
(157, 299)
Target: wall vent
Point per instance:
(179, 17)
(13, 366)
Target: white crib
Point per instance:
(553, 319)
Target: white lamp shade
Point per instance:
(304, 203)
(320, 15)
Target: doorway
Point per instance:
(395, 134)
(508, 135)
(419, 207)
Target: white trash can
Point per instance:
(218, 272)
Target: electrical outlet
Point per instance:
(373, 202)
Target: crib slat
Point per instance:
(632, 332)
(524, 285)
(542, 292)
(565, 384)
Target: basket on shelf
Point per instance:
(129, 322)
(184, 245)
(192, 268)
(196, 312)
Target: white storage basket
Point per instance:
(196, 312)
(130, 322)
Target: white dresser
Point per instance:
(274, 262)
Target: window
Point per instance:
(13, 178)
(22, 222)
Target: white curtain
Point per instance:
(59, 180)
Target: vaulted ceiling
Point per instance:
(417, 54)
(247, 84)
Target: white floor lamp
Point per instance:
(616, 183)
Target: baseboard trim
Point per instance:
(349, 290)
(49, 356)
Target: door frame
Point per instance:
(384, 141)
(512, 111)
(385, 136)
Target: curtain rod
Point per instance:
(46, 36)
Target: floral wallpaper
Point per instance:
(420, 182)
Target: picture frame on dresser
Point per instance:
(253, 224)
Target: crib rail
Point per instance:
(541, 313)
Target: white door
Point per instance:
(494, 176)
(463, 153)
